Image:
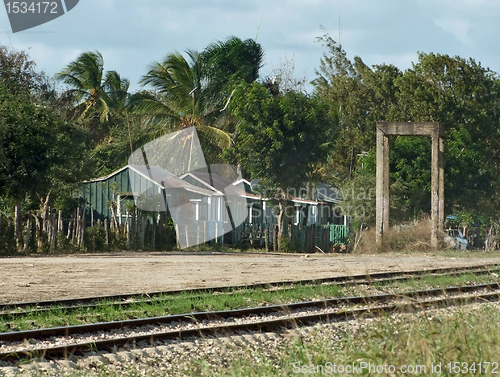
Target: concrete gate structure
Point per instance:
(436, 132)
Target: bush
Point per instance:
(413, 237)
(289, 245)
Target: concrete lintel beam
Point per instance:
(430, 129)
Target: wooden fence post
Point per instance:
(53, 226)
(142, 219)
(70, 228)
(18, 226)
(153, 232)
(106, 232)
(98, 230)
(9, 228)
(197, 233)
(177, 236)
(275, 239)
(216, 232)
(306, 237)
(82, 243)
(28, 234)
(127, 228)
(266, 236)
(205, 230)
(60, 225)
(133, 230)
(76, 231)
(160, 233)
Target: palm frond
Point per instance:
(216, 136)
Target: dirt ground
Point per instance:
(59, 277)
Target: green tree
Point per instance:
(462, 95)
(18, 74)
(41, 152)
(225, 64)
(458, 92)
(361, 96)
(96, 93)
(194, 92)
(279, 139)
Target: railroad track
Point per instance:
(22, 309)
(64, 342)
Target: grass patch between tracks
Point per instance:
(212, 301)
(461, 341)
(465, 342)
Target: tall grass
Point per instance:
(415, 237)
(466, 337)
(421, 341)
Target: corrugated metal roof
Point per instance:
(160, 177)
(220, 184)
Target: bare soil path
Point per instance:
(71, 276)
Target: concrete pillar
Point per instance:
(428, 129)
(387, 181)
(381, 195)
(441, 184)
(436, 131)
(435, 180)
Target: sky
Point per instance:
(132, 34)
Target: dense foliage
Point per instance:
(52, 138)
(291, 132)
(457, 92)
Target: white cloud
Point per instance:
(131, 34)
(459, 28)
(49, 58)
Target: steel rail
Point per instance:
(124, 300)
(66, 350)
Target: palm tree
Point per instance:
(96, 93)
(227, 63)
(194, 92)
(176, 101)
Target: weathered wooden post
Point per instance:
(106, 232)
(82, 236)
(216, 232)
(153, 231)
(60, 225)
(127, 227)
(266, 235)
(28, 234)
(70, 229)
(133, 230)
(177, 236)
(205, 231)
(53, 226)
(77, 225)
(142, 219)
(275, 239)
